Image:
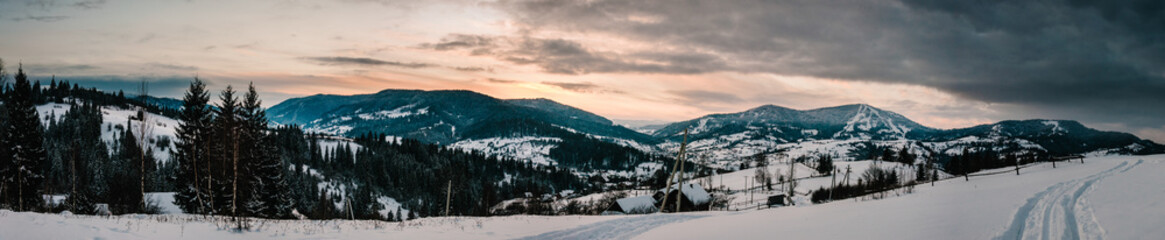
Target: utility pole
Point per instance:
(448, 196)
(934, 172)
(679, 159)
(832, 184)
(792, 184)
(348, 203)
(1017, 166)
(73, 177)
(847, 171)
(680, 189)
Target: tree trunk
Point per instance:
(235, 181)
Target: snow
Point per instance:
(1043, 201)
(158, 128)
(333, 144)
(868, 118)
(1056, 129)
(400, 112)
(165, 201)
(390, 205)
(636, 203)
(695, 193)
(534, 149)
(1113, 197)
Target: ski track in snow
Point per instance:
(622, 228)
(1061, 211)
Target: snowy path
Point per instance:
(1061, 212)
(622, 228)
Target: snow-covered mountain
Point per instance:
(526, 129)
(530, 129)
(857, 121)
(855, 132)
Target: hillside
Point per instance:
(537, 130)
(856, 132)
(1100, 199)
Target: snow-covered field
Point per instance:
(1117, 197)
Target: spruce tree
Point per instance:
(267, 189)
(227, 126)
(124, 195)
(193, 151)
(86, 151)
(6, 165)
(24, 141)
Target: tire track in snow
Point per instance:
(621, 228)
(1056, 212)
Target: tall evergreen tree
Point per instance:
(193, 151)
(124, 195)
(6, 164)
(266, 189)
(24, 141)
(86, 151)
(227, 126)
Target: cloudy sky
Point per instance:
(945, 64)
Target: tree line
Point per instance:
(227, 160)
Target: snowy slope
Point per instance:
(115, 118)
(1107, 197)
(851, 132)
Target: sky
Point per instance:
(944, 64)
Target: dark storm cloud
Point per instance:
(40, 18)
(1089, 60)
(472, 69)
(584, 87)
(172, 66)
(58, 68)
(501, 81)
(365, 62)
(89, 4)
(563, 56)
(161, 86)
(702, 96)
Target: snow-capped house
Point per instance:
(632, 205)
(695, 198)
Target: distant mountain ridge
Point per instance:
(535, 130)
(847, 121)
(443, 116)
(860, 131)
(531, 128)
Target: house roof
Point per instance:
(694, 193)
(640, 202)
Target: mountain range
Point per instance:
(530, 128)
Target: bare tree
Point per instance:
(145, 133)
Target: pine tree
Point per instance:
(825, 164)
(24, 141)
(124, 195)
(7, 171)
(268, 191)
(904, 155)
(193, 151)
(226, 148)
(85, 150)
(397, 217)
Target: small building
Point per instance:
(632, 205)
(1068, 158)
(102, 209)
(695, 198)
(776, 200)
